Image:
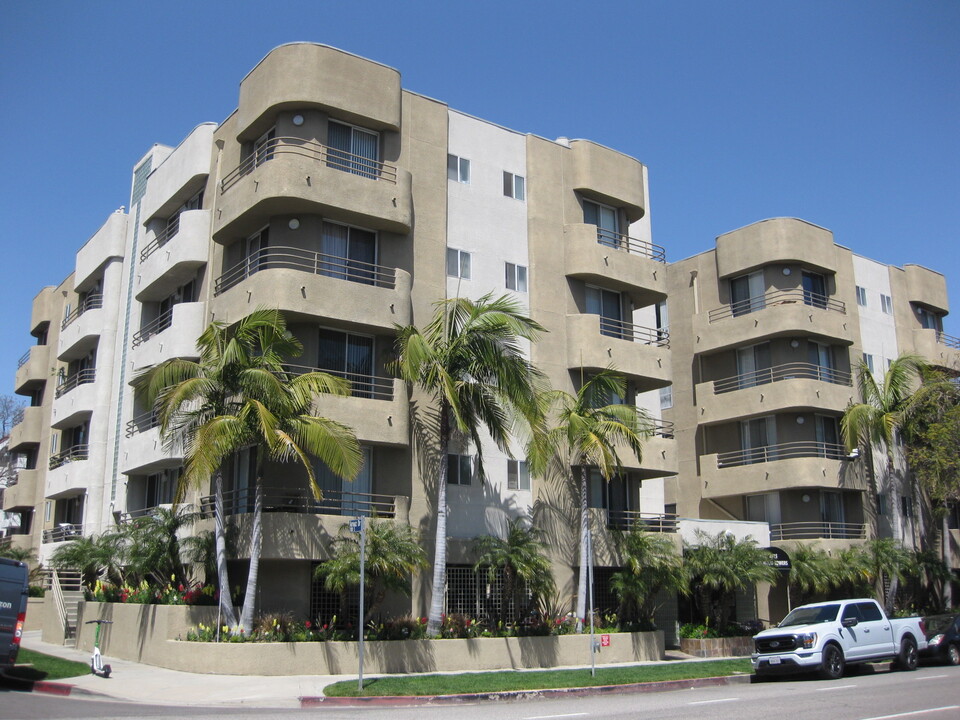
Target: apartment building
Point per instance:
(775, 321)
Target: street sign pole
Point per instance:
(593, 640)
(359, 525)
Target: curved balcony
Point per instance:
(179, 175)
(790, 386)
(75, 396)
(143, 451)
(926, 287)
(777, 241)
(376, 409)
(608, 176)
(293, 175)
(171, 258)
(618, 262)
(45, 309)
(641, 354)
(627, 520)
(818, 531)
(33, 367)
(64, 532)
(173, 334)
(312, 284)
(781, 313)
(659, 452)
(106, 243)
(27, 428)
(81, 329)
(936, 347)
(777, 467)
(23, 493)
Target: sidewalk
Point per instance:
(138, 683)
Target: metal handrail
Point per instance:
(63, 532)
(91, 302)
(619, 241)
(777, 297)
(59, 602)
(154, 327)
(949, 340)
(634, 519)
(81, 377)
(161, 239)
(818, 530)
(782, 451)
(786, 371)
(361, 386)
(142, 422)
(77, 452)
(18, 416)
(659, 428)
(309, 261)
(634, 333)
(312, 150)
(24, 358)
(301, 500)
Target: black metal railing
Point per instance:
(63, 532)
(782, 451)
(618, 241)
(634, 520)
(162, 238)
(774, 298)
(91, 302)
(18, 416)
(308, 261)
(361, 386)
(818, 530)
(23, 359)
(949, 340)
(142, 422)
(300, 500)
(312, 150)
(154, 327)
(81, 377)
(73, 454)
(786, 371)
(634, 333)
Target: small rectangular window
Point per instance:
(666, 397)
(458, 263)
(516, 277)
(458, 169)
(513, 186)
(459, 469)
(906, 506)
(518, 476)
(47, 506)
(886, 304)
(861, 296)
(868, 361)
(881, 504)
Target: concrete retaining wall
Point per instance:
(149, 634)
(717, 647)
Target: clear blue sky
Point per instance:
(846, 114)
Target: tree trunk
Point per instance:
(440, 558)
(584, 560)
(256, 537)
(945, 552)
(228, 616)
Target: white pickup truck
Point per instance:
(825, 637)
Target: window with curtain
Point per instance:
(348, 253)
(348, 356)
(814, 289)
(353, 150)
(747, 294)
(608, 305)
(606, 220)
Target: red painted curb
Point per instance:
(52, 688)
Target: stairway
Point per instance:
(67, 589)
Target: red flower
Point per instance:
(307, 624)
(324, 626)
(181, 587)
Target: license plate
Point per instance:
(774, 660)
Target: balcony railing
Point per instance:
(73, 454)
(634, 333)
(659, 428)
(635, 520)
(776, 297)
(154, 327)
(23, 359)
(331, 157)
(18, 416)
(361, 386)
(133, 515)
(161, 239)
(142, 422)
(949, 340)
(618, 241)
(308, 261)
(81, 377)
(787, 371)
(293, 500)
(818, 531)
(63, 532)
(783, 451)
(91, 302)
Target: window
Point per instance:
(881, 503)
(608, 305)
(348, 356)
(516, 277)
(861, 296)
(47, 506)
(746, 294)
(458, 169)
(348, 253)
(458, 263)
(886, 304)
(353, 150)
(753, 365)
(263, 148)
(256, 251)
(518, 476)
(513, 186)
(868, 361)
(929, 320)
(666, 397)
(757, 438)
(906, 506)
(459, 469)
(814, 289)
(606, 220)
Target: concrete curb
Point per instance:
(413, 701)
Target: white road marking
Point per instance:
(546, 717)
(720, 700)
(914, 712)
(835, 687)
(930, 677)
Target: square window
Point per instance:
(513, 186)
(516, 277)
(886, 304)
(458, 169)
(861, 296)
(518, 476)
(458, 263)
(459, 469)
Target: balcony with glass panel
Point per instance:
(597, 255)
(287, 174)
(642, 354)
(171, 257)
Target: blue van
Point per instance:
(13, 608)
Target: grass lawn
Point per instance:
(45, 667)
(535, 679)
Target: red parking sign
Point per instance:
(604, 641)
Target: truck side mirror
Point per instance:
(849, 622)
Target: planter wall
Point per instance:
(717, 647)
(149, 634)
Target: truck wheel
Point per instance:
(831, 668)
(953, 654)
(908, 657)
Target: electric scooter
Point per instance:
(96, 661)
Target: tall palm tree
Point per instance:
(520, 559)
(469, 361)
(237, 395)
(812, 572)
(651, 565)
(587, 433)
(154, 542)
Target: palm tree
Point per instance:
(519, 559)
(587, 434)
(469, 361)
(720, 565)
(154, 542)
(239, 395)
(95, 556)
(651, 566)
(812, 572)
(393, 553)
(886, 562)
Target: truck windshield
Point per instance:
(811, 615)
